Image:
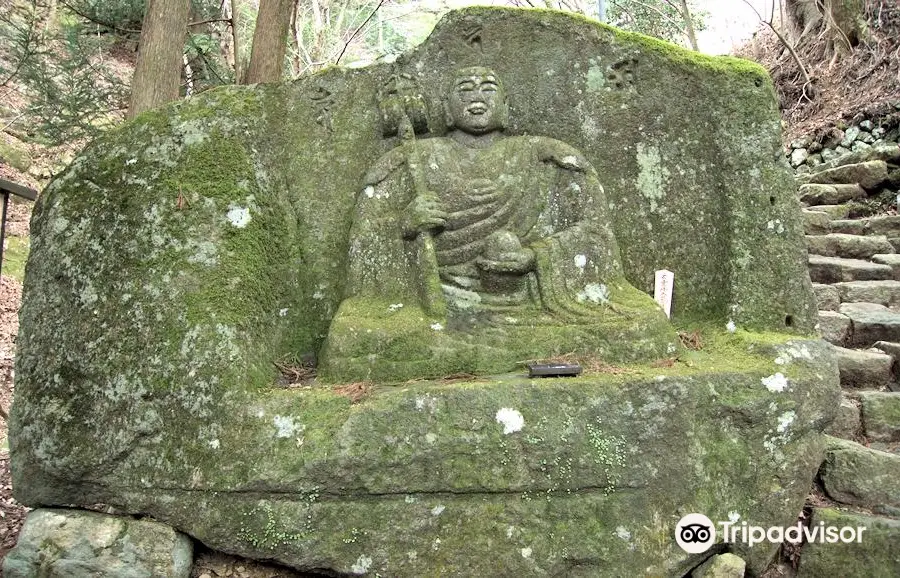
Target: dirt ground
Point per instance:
(12, 514)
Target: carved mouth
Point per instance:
(477, 108)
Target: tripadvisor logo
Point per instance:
(696, 533)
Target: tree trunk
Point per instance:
(689, 25)
(157, 74)
(842, 22)
(236, 41)
(269, 41)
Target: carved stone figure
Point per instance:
(476, 250)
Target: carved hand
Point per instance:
(424, 214)
(519, 261)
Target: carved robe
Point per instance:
(423, 307)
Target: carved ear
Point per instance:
(448, 118)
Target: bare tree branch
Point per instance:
(355, 32)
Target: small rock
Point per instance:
(835, 328)
(721, 566)
(860, 146)
(54, 542)
(841, 151)
(866, 137)
(850, 136)
(866, 125)
(798, 157)
(814, 160)
(828, 155)
(878, 132)
(814, 147)
(802, 142)
(827, 297)
(848, 423)
(881, 419)
(832, 138)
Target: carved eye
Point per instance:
(489, 87)
(465, 86)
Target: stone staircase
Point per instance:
(854, 264)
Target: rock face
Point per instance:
(179, 259)
(78, 544)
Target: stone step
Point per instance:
(835, 327)
(848, 423)
(864, 369)
(859, 476)
(849, 246)
(888, 225)
(874, 555)
(885, 293)
(869, 175)
(837, 269)
(849, 226)
(891, 259)
(871, 323)
(827, 296)
(833, 211)
(881, 416)
(816, 222)
(817, 194)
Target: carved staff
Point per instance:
(403, 113)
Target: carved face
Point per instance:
(477, 103)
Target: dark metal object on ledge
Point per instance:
(10, 188)
(553, 370)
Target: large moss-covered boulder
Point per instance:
(185, 256)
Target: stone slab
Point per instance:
(890, 259)
(887, 152)
(871, 322)
(869, 175)
(884, 292)
(556, 460)
(847, 425)
(827, 297)
(833, 211)
(848, 226)
(875, 556)
(818, 194)
(837, 269)
(888, 225)
(848, 246)
(78, 544)
(861, 369)
(881, 416)
(859, 476)
(835, 327)
(816, 222)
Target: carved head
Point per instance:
(476, 103)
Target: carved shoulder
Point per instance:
(387, 164)
(562, 155)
